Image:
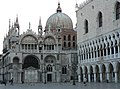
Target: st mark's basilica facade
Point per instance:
(38, 57)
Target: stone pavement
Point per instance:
(63, 86)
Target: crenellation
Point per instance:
(84, 3)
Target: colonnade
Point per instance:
(98, 58)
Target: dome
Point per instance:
(59, 19)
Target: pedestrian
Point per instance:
(11, 81)
(4, 82)
(84, 81)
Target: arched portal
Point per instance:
(97, 74)
(103, 72)
(15, 60)
(112, 74)
(30, 67)
(15, 74)
(91, 74)
(81, 74)
(86, 72)
(118, 72)
(31, 61)
(49, 67)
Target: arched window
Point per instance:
(16, 60)
(64, 38)
(116, 47)
(73, 38)
(100, 21)
(69, 37)
(73, 44)
(49, 68)
(112, 48)
(86, 26)
(69, 44)
(117, 10)
(64, 44)
(64, 70)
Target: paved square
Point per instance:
(63, 86)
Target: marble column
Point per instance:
(118, 49)
(108, 76)
(79, 78)
(19, 77)
(58, 76)
(101, 79)
(94, 77)
(116, 77)
(89, 77)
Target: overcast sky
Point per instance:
(31, 11)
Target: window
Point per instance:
(49, 68)
(86, 26)
(64, 37)
(59, 30)
(73, 38)
(69, 44)
(100, 19)
(64, 44)
(73, 44)
(64, 70)
(117, 10)
(69, 37)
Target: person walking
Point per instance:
(11, 81)
(84, 81)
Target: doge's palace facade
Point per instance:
(98, 39)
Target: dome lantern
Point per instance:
(59, 8)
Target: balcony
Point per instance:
(102, 59)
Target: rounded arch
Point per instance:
(49, 40)
(31, 60)
(16, 60)
(50, 59)
(29, 38)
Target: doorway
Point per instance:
(49, 77)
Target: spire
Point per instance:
(59, 8)
(17, 18)
(40, 27)
(9, 24)
(16, 23)
(29, 25)
(40, 22)
(76, 7)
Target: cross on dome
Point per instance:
(59, 8)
